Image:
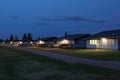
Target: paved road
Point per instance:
(106, 64)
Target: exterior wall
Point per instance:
(76, 44)
(111, 47)
(80, 44)
(102, 46)
(27, 44)
(69, 42)
(49, 44)
(90, 46)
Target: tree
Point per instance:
(24, 37)
(30, 37)
(16, 38)
(38, 38)
(7, 40)
(1, 40)
(11, 38)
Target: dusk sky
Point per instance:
(45, 18)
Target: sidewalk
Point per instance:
(106, 64)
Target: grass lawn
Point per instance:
(21, 65)
(85, 53)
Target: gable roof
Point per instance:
(75, 36)
(48, 38)
(106, 34)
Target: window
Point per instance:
(94, 42)
(110, 41)
(106, 41)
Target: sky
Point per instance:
(45, 18)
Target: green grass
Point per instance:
(21, 65)
(85, 53)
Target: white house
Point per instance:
(72, 41)
(105, 40)
(46, 42)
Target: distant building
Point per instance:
(72, 41)
(46, 42)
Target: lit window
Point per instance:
(110, 41)
(94, 42)
(104, 41)
(107, 41)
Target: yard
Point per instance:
(21, 65)
(84, 53)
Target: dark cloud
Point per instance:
(13, 17)
(66, 18)
(77, 18)
(41, 23)
(99, 21)
(52, 19)
(47, 19)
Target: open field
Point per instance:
(84, 53)
(20, 65)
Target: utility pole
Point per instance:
(118, 26)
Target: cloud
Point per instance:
(41, 23)
(77, 18)
(52, 19)
(47, 19)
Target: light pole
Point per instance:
(118, 25)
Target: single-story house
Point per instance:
(72, 41)
(105, 40)
(16, 43)
(46, 42)
(2, 41)
(28, 43)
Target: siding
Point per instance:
(80, 44)
(110, 47)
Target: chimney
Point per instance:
(66, 34)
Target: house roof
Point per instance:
(75, 36)
(48, 38)
(106, 34)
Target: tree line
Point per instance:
(25, 37)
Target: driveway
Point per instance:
(106, 64)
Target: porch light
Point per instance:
(41, 42)
(11, 42)
(31, 42)
(65, 41)
(21, 42)
(3, 42)
(104, 40)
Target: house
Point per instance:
(46, 42)
(2, 41)
(72, 41)
(105, 40)
(28, 43)
(17, 42)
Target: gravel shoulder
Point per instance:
(106, 64)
